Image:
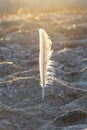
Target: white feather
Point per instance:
(45, 63)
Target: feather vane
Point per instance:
(45, 62)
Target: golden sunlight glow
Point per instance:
(9, 63)
(41, 4)
(55, 3)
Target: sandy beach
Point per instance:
(65, 104)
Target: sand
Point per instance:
(65, 104)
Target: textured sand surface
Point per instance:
(65, 104)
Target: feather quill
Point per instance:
(45, 63)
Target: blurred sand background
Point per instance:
(65, 104)
(12, 5)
